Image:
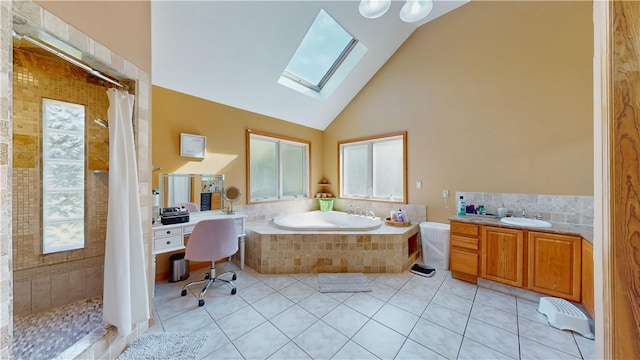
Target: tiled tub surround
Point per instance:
(269, 210)
(569, 209)
(271, 250)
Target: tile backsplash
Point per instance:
(569, 209)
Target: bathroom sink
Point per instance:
(526, 222)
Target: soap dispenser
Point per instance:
(461, 209)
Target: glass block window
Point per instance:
(278, 168)
(63, 173)
(374, 168)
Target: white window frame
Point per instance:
(280, 141)
(369, 141)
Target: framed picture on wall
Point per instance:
(193, 145)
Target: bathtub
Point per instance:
(326, 221)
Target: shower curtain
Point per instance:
(125, 297)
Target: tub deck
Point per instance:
(271, 250)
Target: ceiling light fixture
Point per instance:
(372, 9)
(415, 10)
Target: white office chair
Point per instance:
(212, 240)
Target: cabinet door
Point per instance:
(587, 277)
(554, 264)
(502, 255)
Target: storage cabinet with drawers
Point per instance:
(464, 259)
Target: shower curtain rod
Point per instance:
(67, 58)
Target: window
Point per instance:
(62, 176)
(322, 50)
(374, 168)
(278, 168)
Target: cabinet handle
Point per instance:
(168, 242)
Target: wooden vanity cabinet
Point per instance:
(502, 255)
(463, 251)
(587, 277)
(554, 262)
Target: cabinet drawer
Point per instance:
(168, 232)
(168, 242)
(464, 229)
(464, 262)
(464, 242)
(188, 229)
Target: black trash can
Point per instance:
(178, 267)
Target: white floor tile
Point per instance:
(382, 291)
(346, 320)
(409, 302)
(561, 340)
(228, 352)
(422, 289)
(188, 321)
(586, 346)
(364, 303)
(319, 304)
(255, 292)
(351, 351)
(278, 282)
(272, 305)
(445, 317)
(290, 351)
(176, 306)
(534, 351)
(396, 281)
(298, 291)
(497, 300)
(221, 306)
(379, 340)
(216, 339)
(503, 320)
(436, 338)
(293, 321)
(260, 342)
(411, 350)
(471, 350)
(397, 319)
(453, 302)
(240, 322)
(320, 341)
(459, 288)
(529, 310)
(493, 337)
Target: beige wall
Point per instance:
(495, 96)
(225, 129)
(122, 26)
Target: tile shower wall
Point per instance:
(27, 13)
(569, 209)
(45, 281)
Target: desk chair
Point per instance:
(191, 207)
(212, 240)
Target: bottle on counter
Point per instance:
(462, 211)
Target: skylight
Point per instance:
(320, 53)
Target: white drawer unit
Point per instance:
(168, 243)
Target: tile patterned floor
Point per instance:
(406, 316)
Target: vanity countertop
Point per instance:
(557, 228)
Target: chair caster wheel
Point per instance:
(184, 292)
(234, 277)
(233, 291)
(207, 276)
(200, 302)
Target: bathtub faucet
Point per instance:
(368, 212)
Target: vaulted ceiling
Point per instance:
(233, 52)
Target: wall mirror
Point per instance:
(204, 190)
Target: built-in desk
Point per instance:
(167, 238)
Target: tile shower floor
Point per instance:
(405, 316)
(45, 335)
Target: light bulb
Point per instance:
(415, 10)
(372, 9)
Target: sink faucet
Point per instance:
(524, 213)
(368, 212)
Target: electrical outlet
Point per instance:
(419, 184)
(445, 194)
